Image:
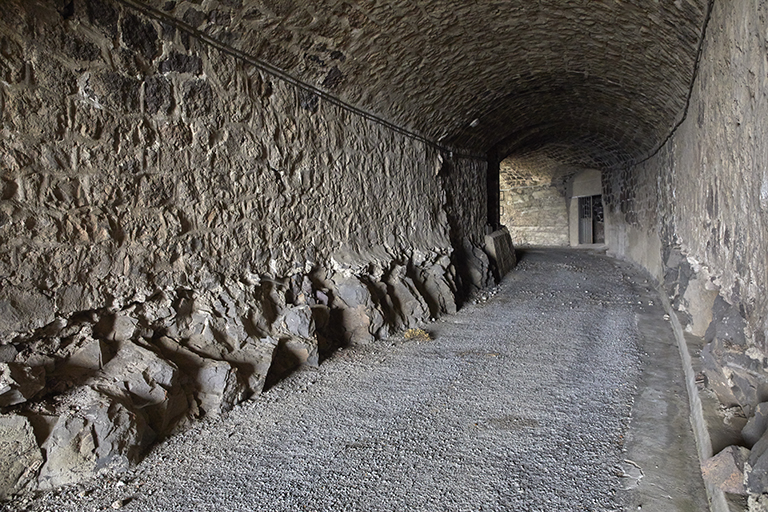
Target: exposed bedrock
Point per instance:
(98, 387)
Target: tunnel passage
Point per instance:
(219, 190)
(484, 415)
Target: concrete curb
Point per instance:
(717, 501)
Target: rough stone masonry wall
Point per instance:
(533, 202)
(696, 214)
(178, 228)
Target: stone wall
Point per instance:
(179, 228)
(696, 214)
(533, 204)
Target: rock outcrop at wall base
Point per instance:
(734, 369)
(740, 470)
(89, 393)
(726, 469)
(21, 457)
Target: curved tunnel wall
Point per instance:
(593, 83)
(696, 214)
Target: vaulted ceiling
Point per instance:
(594, 83)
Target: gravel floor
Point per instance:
(521, 402)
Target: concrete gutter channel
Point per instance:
(702, 409)
(660, 440)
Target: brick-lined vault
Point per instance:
(217, 191)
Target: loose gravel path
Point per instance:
(521, 402)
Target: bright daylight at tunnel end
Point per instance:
(198, 197)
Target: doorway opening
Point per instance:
(591, 221)
(586, 221)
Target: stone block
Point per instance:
(303, 351)
(356, 323)
(438, 288)
(298, 321)
(727, 323)
(351, 290)
(499, 247)
(118, 92)
(252, 361)
(95, 434)
(140, 36)
(7, 353)
(734, 369)
(215, 384)
(22, 310)
(198, 97)
(104, 15)
(756, 425)
(406, 299)
(182, 63)
(147, 381)
(91, 356)
(757, 467)
(158, 95)
(289, 354)
(726, 469)
(218, 387)
(20, 457)
(19, 383)
(118, 327)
